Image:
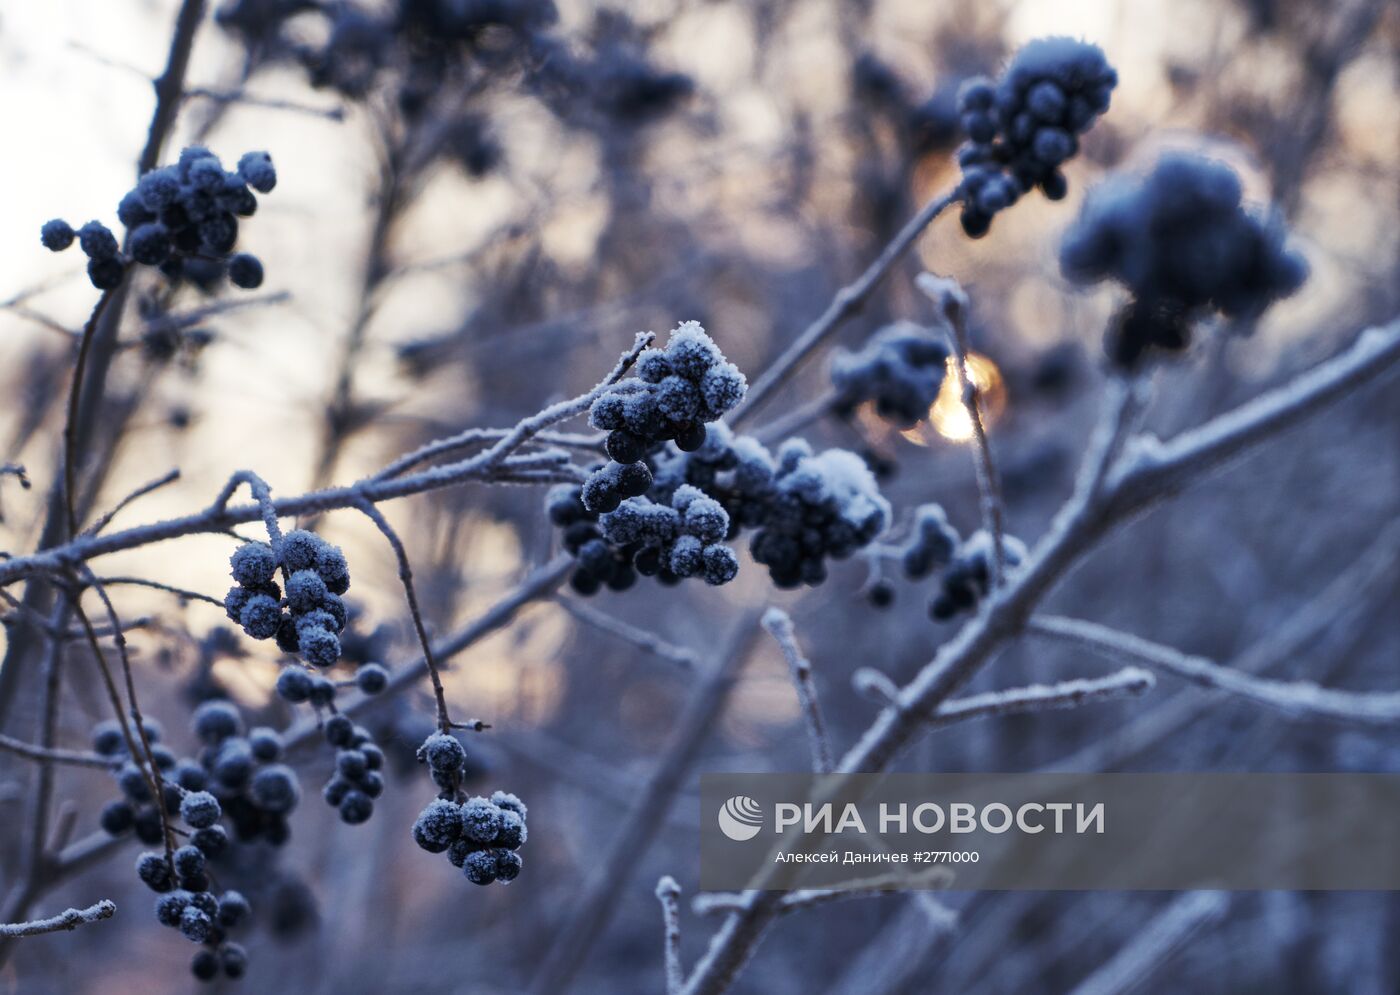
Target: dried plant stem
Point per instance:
(779, 626)
(168, 477)
(71, 454)
(69, 919)
(952, 305)
(77, 758)
(406, 578)
(668, 894)
(1299, 699)
(640, 638)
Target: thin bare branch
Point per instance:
(170, 476)
(69, 919)
(952, 304)
(1299, 699)
(640, 638)
(848, 300)
(779, 625)
(78, 758)
(668, 893)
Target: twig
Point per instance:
(170, 84)
(848, 300)
(779, 626)
(406, 577)
(70, 424)
(168, 477)
(555, 413)
(668, 894)
(796, 419)
(78, 758)
(714, 903)
(471, 436)
(1299, 699)
(153, 774)
(1155, 944)
(156, 585)
(641, 638)
(69, 919)
(243, 97)
(1130, 682)
(952, 305)
(875, 685)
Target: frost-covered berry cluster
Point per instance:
(805, 507)
(900, 369)
(967, 579)
(677, 391)
(179, 216)
(963, 567)
(821, 506)
(480, 835)
(245, 772)
(358, 779)
(1182, 242)
(235, 777)
(1025, 126)
(310, 618)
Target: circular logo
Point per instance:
(740, 818)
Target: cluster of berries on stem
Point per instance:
(482, 836)
(181, 218)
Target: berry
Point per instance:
(194, 924)
(233, 909)
(253, 564)
(200, 810)
(266, 744)
(97, 241)
(106, 274)
(275, 788)
(881, 593)
(245, 271)
(260, 616)
(213, 840)
(234, 960)
(189, 861)
(117, 817)
(107, 738)
(216, 721)
(57, 235)
(205, 965)
(356, 808)
(154, 872)
(257, 170)
(294, 684)
(438, 825)
(372, 678)
(339, 730)
(480, 867)
(481, 821)
(508, 865)
(442, 752)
